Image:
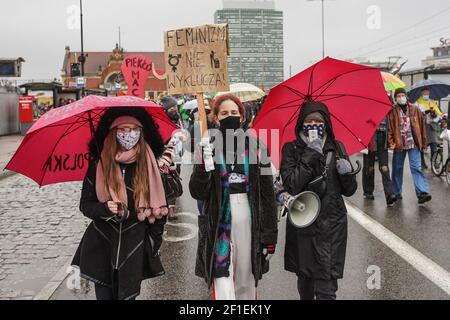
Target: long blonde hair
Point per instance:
(140, 183)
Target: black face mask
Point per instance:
(230, 123)
(174, 116)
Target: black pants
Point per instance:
(320, 289)
(369, 167)
(108, 293)
(104, 293)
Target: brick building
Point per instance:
(103, 73)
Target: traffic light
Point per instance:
(75, 70)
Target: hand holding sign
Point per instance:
(197, 62)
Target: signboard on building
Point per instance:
(196, 59)
(444, 42)
(80, 82)
(26, 109)
(11, 67)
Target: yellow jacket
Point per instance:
(425, 105)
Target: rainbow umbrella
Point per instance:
(391, 82)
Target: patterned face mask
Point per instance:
(319, 127)
(128, 139)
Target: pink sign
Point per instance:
(136, 69)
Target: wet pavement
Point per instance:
(426, 228)
(39, 231)
(8, 145)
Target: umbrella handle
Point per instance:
(125, 215)
(358, 168)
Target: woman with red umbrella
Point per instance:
(123, 194)
(317, 253)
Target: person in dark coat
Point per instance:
(238, 225)
(378, 147)
(317, 253)
(120, 247)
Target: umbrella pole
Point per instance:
(209, 165)
(92, 128)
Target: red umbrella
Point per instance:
(55, 149)
(354, 95)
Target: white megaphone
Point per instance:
(303, 209)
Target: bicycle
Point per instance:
(437, 161)
(447, 171)
(445, 137)
(438, 164)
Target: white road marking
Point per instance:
(435, 273)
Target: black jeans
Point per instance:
(105, 293)
(321, 289)
(108, 293)
(369, 167)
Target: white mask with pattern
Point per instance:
(128, 139)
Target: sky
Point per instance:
(39, 30)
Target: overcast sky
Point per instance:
(38, 30)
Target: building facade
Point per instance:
(256, 42)
(103, 72)
(435, 67)
(441, 55)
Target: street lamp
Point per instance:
(82, 57)
(323, 27)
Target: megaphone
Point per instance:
(302, 209)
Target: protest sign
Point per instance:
(136, 69)
(196, 59)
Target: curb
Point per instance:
(47, 292)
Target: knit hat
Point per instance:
(317, 116)
(398, 91)
(169, 102)
(125, 119)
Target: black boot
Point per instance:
(424, 197)
(369, 196)
(391, 200)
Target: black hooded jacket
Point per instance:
(116, 254)
(317, 251)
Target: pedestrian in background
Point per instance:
(316, 253)
(378, 147)
(123, 194)
(407, 136)
(170, 105)
(238, 228)
(195, 135)
(432, 114)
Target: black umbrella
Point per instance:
(438, 90)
